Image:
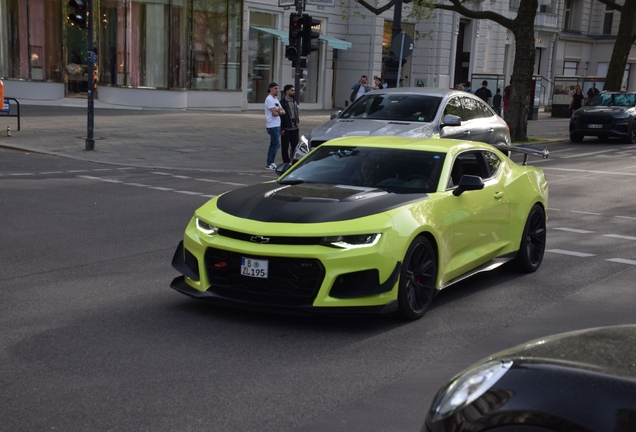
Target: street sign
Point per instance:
(330, 3)
(286, 3)
(396, 45)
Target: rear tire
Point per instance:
(417, 279)
(532, 246)
(576, 137)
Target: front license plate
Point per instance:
(595, 126)
(254, 268)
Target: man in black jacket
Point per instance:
(289, 128)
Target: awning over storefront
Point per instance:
(334, 42)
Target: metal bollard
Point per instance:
(8, 131)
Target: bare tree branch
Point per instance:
(618, 7)
(457, 6)
(377, 11)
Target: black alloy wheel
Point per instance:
(631, 135)
(417, 279)
(576, 137)
(532, 247)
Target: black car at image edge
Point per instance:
(578, 381)
(606, 115)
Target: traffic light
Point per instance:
(309, 35)
(291, 52)
(78, 15)
(295, 28)
(302, 62)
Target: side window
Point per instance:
(454, 107)
(493, 162)
(485, 110)
(472, 109)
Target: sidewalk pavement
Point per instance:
(191, 140)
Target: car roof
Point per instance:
(424, 91)
(439, 145)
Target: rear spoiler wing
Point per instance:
(523, 149)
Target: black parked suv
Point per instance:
(608, 114)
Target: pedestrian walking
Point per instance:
(359, 88)
(496, 102)
(379, 83)
(289, 123)
(592, 91)
(467, 87)
(273, 111)
(484, 93)
(577, 100)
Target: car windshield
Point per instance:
(390, 106)
(613, 99)
(393, 170)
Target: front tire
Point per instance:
(576, 137)
(631, 135)
(532, 247)
(417, 279)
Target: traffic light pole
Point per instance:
(299, 10)
(90, 141)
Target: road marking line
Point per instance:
(110, 181)
(580, 231)
(233, 184)
(181, 177)
(126, 168)
(571, 253)
(625, 217)
(89, 177)
(160, 173)
(589, 154)
(51, 172)
(103, 169)
(553, 209)
(76, 171)
(622, 261)
(160, 188)
(589, 171)
(137, 184)
(618, 236)
(21, 174)
(588, 213)
(208, 180)
(209, 196)
(188, 192)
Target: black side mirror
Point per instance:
(335, 114)
(282, 168)
(451, 120)
(468, 183)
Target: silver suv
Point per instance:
(412, 112)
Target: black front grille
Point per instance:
(291, 281)
(270, 239)
(606, 121)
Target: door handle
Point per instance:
(491, 130)
(467, 132)
(499, 195)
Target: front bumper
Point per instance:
(602, 126)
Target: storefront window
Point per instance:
(261, 54)
(30, 45)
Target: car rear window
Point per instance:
(398, 107)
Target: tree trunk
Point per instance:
(521, 80)
(624, 41)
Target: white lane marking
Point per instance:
(622, 261)
(618, 236)
(181, 177)
(590, 171)
(90, 177)
(103, 169)
(188, 192)
(111, 181)
(76, 171)
(553, 209)
(160, 173)
(208, 180)
(233, 184)
(51, 172)
(209, 196)
(587, 213)
(625, 217)
(126, 168)
(160, 188)
(571, 253)
(580, 231)
(588, 154)
(21, 174)
(137, 184)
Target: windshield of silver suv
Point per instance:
(400, 107)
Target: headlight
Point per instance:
(206, 228)
(303, 145)
(621, 115)
(467, 387)
(352, 241)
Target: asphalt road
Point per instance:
(93, 338)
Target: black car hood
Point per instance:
(309, 203)
(602, 110)
(610, 350)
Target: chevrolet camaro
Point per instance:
(374, 225)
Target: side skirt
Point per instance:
(490, 265)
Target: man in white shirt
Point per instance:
(273, 111)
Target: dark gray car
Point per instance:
(606, 115)
(412, 112)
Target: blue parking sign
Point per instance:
(6, 107)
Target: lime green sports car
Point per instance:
(367, 225)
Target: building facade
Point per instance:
(221, 54)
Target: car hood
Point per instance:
(608, 350)
(337, 128)
(601, 110)
(309, 203)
